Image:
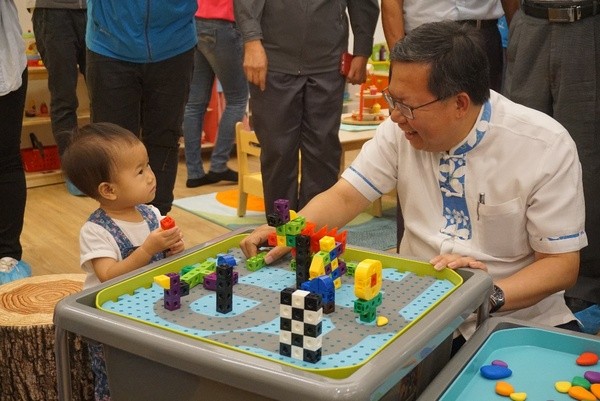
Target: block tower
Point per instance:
(301, 325)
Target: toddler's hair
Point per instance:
(90, 158)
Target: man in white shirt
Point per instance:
(483, 182)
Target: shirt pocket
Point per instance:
(502, 229)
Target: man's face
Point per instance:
(432, 127)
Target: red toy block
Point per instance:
(167, 222)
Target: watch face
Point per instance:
(496, 299)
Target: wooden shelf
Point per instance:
(82, 119)
(41, 178)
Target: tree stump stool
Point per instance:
(27, 359)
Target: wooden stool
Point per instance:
(27, 359)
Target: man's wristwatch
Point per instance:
(496, 299)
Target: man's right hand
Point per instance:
(255, 63)
(258, 238)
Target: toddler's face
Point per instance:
(134, 179)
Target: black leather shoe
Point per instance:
(227, 175)
(198, 182)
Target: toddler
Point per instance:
(110, 164)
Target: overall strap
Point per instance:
(125, 246)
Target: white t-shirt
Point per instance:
(12, 48)
(97, 242)
(527, 166)
(418, 12)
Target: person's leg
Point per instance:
(277, 118)
(166, 86)
(319, 142)
(575, 83)
(115, 90)
(13, 188)
(59, 43)
(225, 54)
(195, 109)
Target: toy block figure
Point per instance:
(171, 284)
(224, 288)
(368, 279)
(301, 325)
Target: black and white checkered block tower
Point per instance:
(301, 328)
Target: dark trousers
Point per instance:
(298, 114)
(13, 189)
(149, 100)
(493, 48)
(60, 39)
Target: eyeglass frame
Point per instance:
(406, 110)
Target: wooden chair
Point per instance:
(249, 181)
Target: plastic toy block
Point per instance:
(294, 227)
(172, 304)
(293, 215)
(185, 289)
(368, 279)
(187, 268)
(163, 280)
(281, 240)
(290, 240)
(167, 222)
(350, 268)
(303, 244)
(315, 238)
(342, 267)
(322, 285)
(272, 239)
(309, 229)
(342, 238)
(224, 289)
(194, 277)
(210, 280)
(327, 243)
(226, 259)
(282, 208)
(280, 230)
(301, 325)
(257, 262)
(274, 220)
(367, 309)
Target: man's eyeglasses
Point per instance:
(405, 109)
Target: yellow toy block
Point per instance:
(327, 243)
(317, 266)
(368, 279)
(281, 240)
(293, 215)
(164, 281)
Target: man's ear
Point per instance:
(107, 191)
(463, 103)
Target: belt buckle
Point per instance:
(564, 14)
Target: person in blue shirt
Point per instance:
(140, 59)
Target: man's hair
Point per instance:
(90, 157)
(456, 55)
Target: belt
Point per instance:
(561, 12)
(481, 23)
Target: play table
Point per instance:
(195, 352)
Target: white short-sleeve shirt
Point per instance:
(96, 242)
(418, 12)
(527, 167)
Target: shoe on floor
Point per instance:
(198, 182)
(12, 269)
(227, 175)
(73, 190)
